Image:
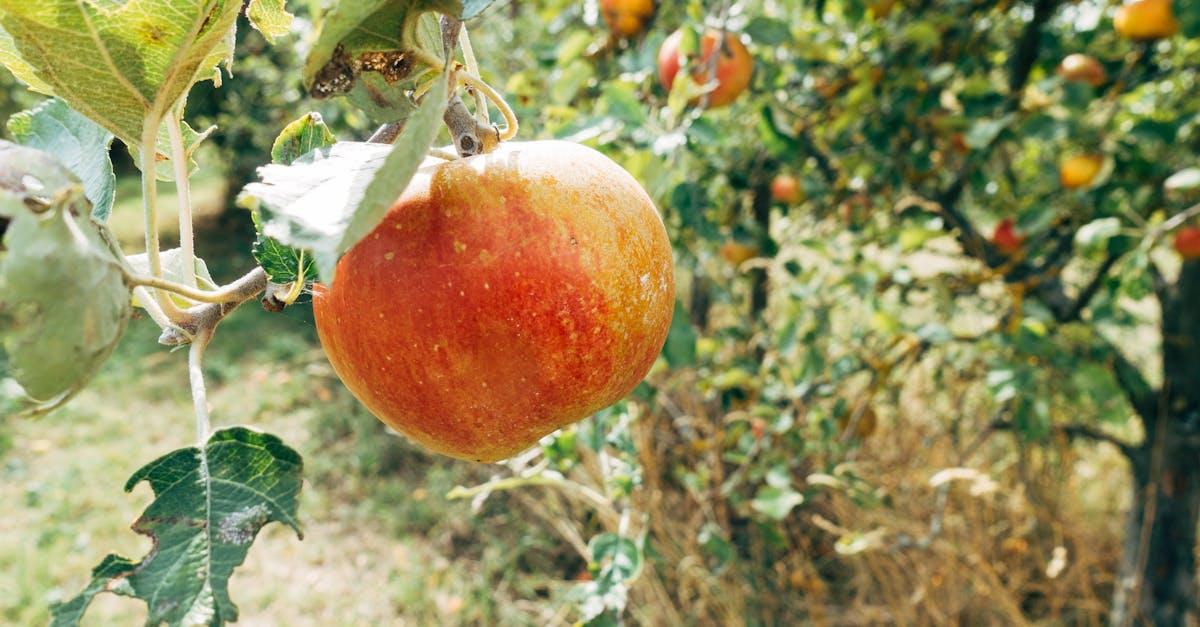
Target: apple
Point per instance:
(1187, 242)
(1082, 68)
(1079, 170)
(626, 18)
(1146, 20)
(503, 296)
(1006, 238)
(734, 66)
(737, 253)
(785, 189)
(865, 426)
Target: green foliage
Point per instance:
(170, 43)
(210, 504)
(77, 142)
(328, 200)
(64, 303)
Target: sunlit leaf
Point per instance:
(120, 64)
(270, 18)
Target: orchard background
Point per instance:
(917, 374)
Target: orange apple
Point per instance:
(733, 70)
(1187, 242)
(503, 296)
(626, 18)
(1082, 68)
(1079, 170)
(737, 253)
(866, 425)
(1146, 20)
(1006, 238)
(785, 189)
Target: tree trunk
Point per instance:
(1156, 584)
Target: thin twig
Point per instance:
(1077, 431)
(481, 106)
(196, 377)
(183, 192)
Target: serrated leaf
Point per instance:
(63, 299)
(270, 18)
(328, 200)
(79, 143)
(210, 504)
(120, 64)
(301, 137)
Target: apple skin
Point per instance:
(734, 67)
(1187, 242)
(1082, 68)
(1080, 170)
(626, 18)
(1006, 238)
(502, 297)
(785, 189)
(1146, 20)
(737, 253)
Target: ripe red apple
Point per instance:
(1080, 170)
(626, 18)
(1187, 242)
(1146, 20)
(503, 296)
(785, 189)
(1082, 68)
(734, 66)
(1006, 238)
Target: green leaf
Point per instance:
(63, 299)
(680, 347)
(1094, 235)
(11, 59)
(984, 131)
(122, 64)
(79, 143)
(776, 503)
(1183, 180)
(282, 263)
(768, 31)
(209, 505)
(329, 199)
(301, 137)
(618, 557)
(270, 18)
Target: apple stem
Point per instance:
(510, 119)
